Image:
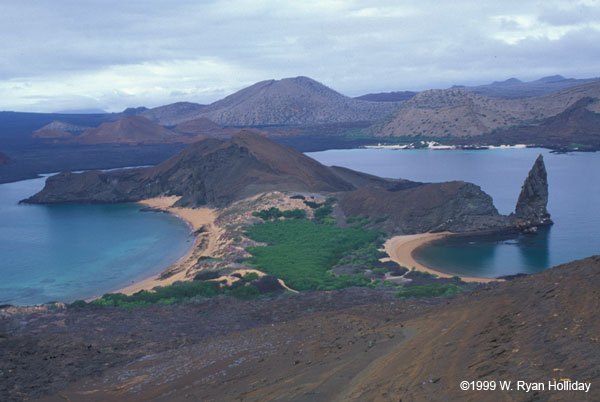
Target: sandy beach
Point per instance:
(401, 248)
(204, 243)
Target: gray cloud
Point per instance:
(114, 54)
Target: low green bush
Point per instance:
(431, 290)
(301, 252)
(250, 276)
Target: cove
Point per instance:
(574, 196)
(68, 252)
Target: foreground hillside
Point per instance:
(351, 345)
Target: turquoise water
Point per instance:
(574, 203)
(68, 252)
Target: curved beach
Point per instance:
(401, 249)
(197, 218)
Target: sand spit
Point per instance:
(401, 248)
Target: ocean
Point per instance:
(68, 252)
(574, 200)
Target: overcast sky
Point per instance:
(112, 54)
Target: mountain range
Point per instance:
(515, 88)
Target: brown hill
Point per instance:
(170, 115)
(514, 88)
(577, 126)
(350, 345)
(128, 130)
(205, 128)
(219, 173)
(429, 207)
(197, 126)
(206, 172)
(398, 96)
(58, 129)
(290, 101)
(459, 113)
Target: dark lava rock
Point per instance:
(533, 199)
(267, 284)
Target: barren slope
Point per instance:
(459, 113)
(351, 345)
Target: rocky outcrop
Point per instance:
(409, 207)
(425, 207)
(533, 199)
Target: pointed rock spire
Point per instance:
(533, 199)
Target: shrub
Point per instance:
(78, 304)
(379, 271)
(301, 252)
(243, 292)
(322, 212)
(206, 275)
(250, 276)
(312, 204)
(431, 290)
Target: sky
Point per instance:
(112, 54)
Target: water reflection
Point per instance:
(489, 255)
(535, 250)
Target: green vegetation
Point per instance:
(358, 221)
(431, 290)
(321, 213)
(380, 271)
(164, 295)
(302, 253)
(206, 275)
(250, 276)
(297, 197)
(275, 213)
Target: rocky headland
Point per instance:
(215, 173)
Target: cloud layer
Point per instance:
(70, 54)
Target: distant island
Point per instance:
(554, 112)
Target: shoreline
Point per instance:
(400, 249)
(204, 244)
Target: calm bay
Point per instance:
(68, 252)
(574, 187)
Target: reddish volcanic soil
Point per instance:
(352, 345)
